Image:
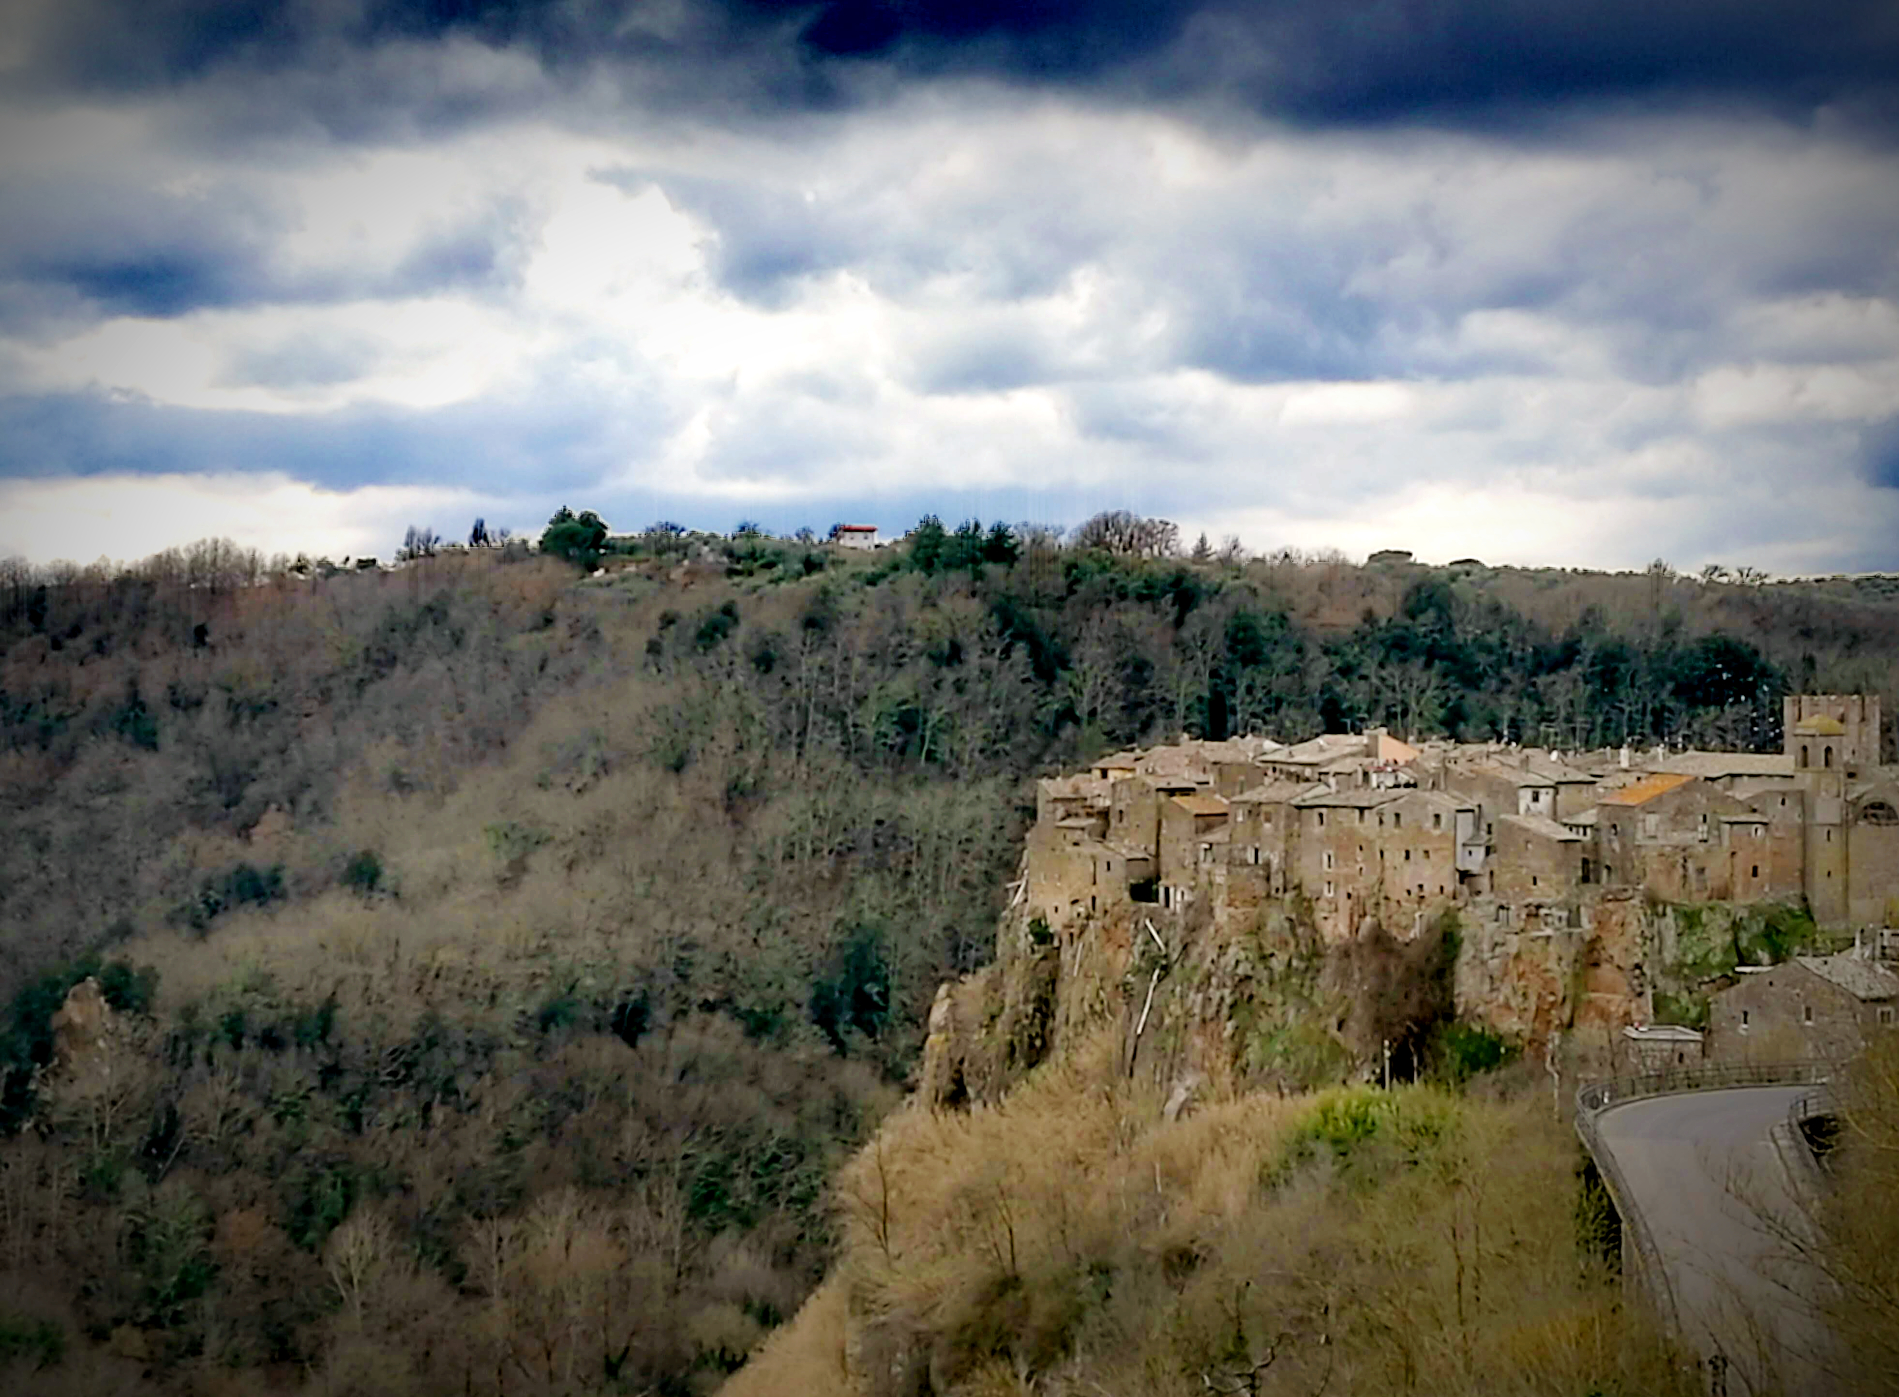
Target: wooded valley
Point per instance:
(505, 955)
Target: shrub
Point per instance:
(244, 885)
(39, 1340)
(1459, 1051)
(363, 873)
(852, 993)
(129, 989)
(1405, 1126)
(715, 626)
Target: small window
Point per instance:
(1803, 755)
(1885, 1017)
(1328, 861)
(1397, 820)
(1743, 1018)
(1427, 855)
(1827, 759)
(1437, 819)
(1754, 871)
(1533, 881)
(1321, 819)
(1806, 1013)
(1328, 887)
(1407, 856)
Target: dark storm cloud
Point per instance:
(557, 442)
(84, 245)
(130, 249)
(1356, 62)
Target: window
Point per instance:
(1803, 755)
(1427, 855)
(1437, 819)
(1321, 815)
(1328, 861)
(1885, 1017)
(1827, 759)
(1397, 820)
(1328, 887)
(1407, 856)
(1533, 881)
(1754, 871)
(1743, 1020)
(1806, 1013)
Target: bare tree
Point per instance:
(1127, 534)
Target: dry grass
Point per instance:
(1071, 1241)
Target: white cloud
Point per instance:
(1594, 352)
(130, 516)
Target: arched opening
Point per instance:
(1878, 812)
(1803, 755)
(1826, 758)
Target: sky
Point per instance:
(1584, 285)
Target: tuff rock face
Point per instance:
(81, 1026)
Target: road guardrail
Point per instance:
(1593, 1098)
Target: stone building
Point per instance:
(1811, 1006)
(1657, 1048)
(1373, 830)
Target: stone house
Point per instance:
(1337, 862)
(1193, 837)
(1657, 1048)
(1811, 1006)
(1535, 861)
(1665, 833)
(1417, 840)
(1265, 830)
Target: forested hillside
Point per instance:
(505, 953)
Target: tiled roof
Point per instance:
(1863, 979)
(1820, 725)
(1710, 765)
(1273, 793)
(1201, 803)
(1646, 789)
(1360, 799)
(1540, 824)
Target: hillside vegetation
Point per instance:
(1351, 1241)
(504, 960)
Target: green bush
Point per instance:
(243, 885)
(129, 989)
(1688, 1010)
(40, 1340)
(715, 626)
(363, 873)
(1355, 1126)
(1459, 1051)
(852, 992)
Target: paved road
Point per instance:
(1705, 1175)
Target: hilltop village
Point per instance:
(1372, 829)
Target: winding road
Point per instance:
(1702, 1169)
